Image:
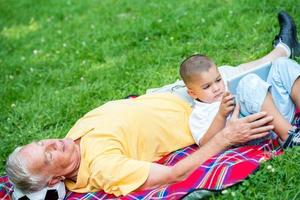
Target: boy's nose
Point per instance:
(215, 88)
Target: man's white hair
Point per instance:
(21, 177)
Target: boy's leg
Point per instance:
(286, 43)
(284, 78)
(295, 94)
(253, 96)
(281, 125)
(277, 52)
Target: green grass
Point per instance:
(60, 59)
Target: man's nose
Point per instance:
(51, 145)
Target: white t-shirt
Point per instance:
(204, 113)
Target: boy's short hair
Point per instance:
(194, 65)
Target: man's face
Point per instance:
(54, 157)
(207, 86)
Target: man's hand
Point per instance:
(238, 131)
(227, 104)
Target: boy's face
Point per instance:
(207, 86)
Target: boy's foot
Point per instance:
(293, 138)
(287, 33)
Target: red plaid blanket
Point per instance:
(217, 173)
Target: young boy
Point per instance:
(209, 94)
(205, 84)
(213, 103)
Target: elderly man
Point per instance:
(112, 148)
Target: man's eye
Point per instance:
(49, 156)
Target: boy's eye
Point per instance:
(205, 87)
(219, 79)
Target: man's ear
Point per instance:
(55, 180)
(191, 93)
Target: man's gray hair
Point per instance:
(19, 174)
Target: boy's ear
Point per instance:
(191, 93)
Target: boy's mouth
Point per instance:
(218, 95)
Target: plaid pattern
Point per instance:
(5, 188)
(219, 172)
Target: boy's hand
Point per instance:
(227, 104)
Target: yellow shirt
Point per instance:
(120, 139)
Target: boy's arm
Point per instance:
(217, 125)
(219, 121)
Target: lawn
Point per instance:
(60, 59)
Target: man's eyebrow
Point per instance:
(39, 143)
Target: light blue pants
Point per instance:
(252, 90)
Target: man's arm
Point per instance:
(237, 131)
(161, 175)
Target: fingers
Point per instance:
(236, 111)
(229, 109)
(227, 97)
(259, 135)
(256, 116)
(261, 122)
(229, 102)
(262, 129)
(226, 93)
(259, 132)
